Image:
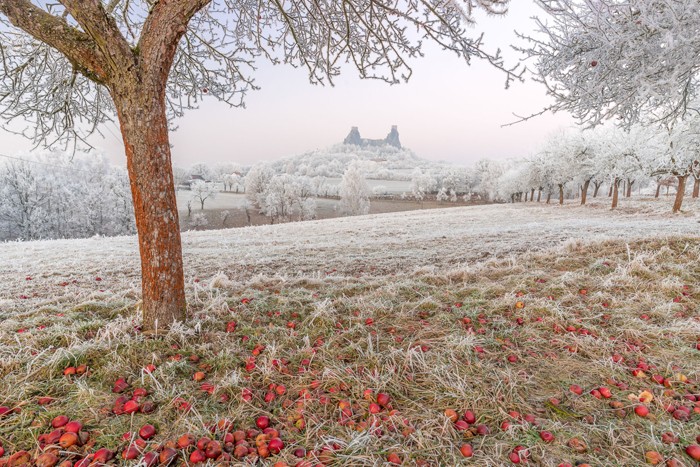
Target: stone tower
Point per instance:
(353, 137)
(392, 139)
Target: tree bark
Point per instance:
(678, 203)
(144, 127)
(561, 194)
(549, 196)
(596, 187)
(526, 193)
(658, 190)
(532, 195)
(629, 188)
(610, 192)
(696, 188)
(584, 191)
(615, 191)
(539, 194)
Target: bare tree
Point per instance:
(69, 66)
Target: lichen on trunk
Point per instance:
(144, 127)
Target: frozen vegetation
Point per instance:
(483, 331)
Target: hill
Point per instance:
(382, 159)
(458, 336)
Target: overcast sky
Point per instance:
(448, 111)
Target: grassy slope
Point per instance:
(418, 348)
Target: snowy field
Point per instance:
(375, 244)
(457, 322)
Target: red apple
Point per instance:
(147, 431)
(641, 410)
(120, 386)
(185, 441)
(131, 406)
(383, 399)
(73, 427)
(693, 451)
(167, 455)
(59, 421)
(68, 439)
(102, 456)
(262, 422)
(275, 445)
(546, 436)
(469, 417)
(46, 459)
(198, 456)
(213, 449)
(467, 450)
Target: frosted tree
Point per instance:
(25, 197)
(422, 184)
(202, 191)
(679, 156)
(203, 170)
(513, 183)
(562, 151)
(256, 182)
(69, 66)
(622, 154)
(601, 59)
(486, 174)
(354, 192)
(55, 195)
(537, 175)
(286, 196)
(231, 180)
(454, 182)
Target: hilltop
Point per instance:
(382, 159)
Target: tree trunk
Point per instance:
(532, 195)
(696, 188)
(144, 128)
(539, 194)
(658, 190)
(610, 192)
(561, 194)
(526, 193)
(629, 188)
(596, 187)
(680, 193)
(584, 191)
(549, 196)
(616, 188)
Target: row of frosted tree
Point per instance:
(52, 195)
(579, 163)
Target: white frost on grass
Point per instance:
(403, 242)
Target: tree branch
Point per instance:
(77, 46)
(101, 27)
(161, 33)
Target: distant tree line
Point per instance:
(52, 195)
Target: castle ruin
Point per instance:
(392, 139)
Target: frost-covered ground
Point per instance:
(423, 338)
(375, 244)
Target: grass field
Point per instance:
(478, 326)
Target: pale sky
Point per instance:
(447, 111)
